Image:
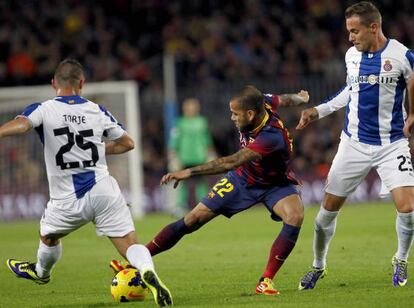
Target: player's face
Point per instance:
(360, 35)
(243, 119)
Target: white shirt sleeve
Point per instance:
(114, 133)
(113, 130)
(334, 103)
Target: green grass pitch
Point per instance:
(219, 265)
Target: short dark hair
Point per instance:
(68, 73)
(250, 98)
(367, 12)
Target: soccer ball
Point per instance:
(127, 286)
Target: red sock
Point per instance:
(281, 248)
(168, 237)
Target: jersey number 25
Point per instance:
(80, 142)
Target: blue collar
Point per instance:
(373, 53)
(71, 99)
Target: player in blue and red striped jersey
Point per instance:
(258, 172)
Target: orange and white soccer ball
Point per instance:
(127, 286)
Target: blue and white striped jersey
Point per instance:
(374, 94)
(72, 129)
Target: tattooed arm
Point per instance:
(216, 166)
(294, 99)
(226, 163)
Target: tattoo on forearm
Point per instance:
(213, 167)
(290, 99)
(226, 163)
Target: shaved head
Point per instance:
(68, 74)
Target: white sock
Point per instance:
(139, 257)
(47, 258)
(405, 233)
(325, 225)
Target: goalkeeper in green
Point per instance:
(190, 145)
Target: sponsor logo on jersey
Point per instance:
(372, 79)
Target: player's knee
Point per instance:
(193, 221)
(405, 207)
(50, 240)
(332, 203)
(294, 218)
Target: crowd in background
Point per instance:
(215, 43)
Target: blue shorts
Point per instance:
(228, 196)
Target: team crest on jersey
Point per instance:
(245, 141)
(387, 66)
(71, 101)
(211, 195)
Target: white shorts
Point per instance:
(354, 160)
(104, 205)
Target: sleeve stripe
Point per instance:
(29, 109)
(106, 112)
(410, 56)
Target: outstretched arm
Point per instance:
(307, 116)
(409, 123)
(332, 104)
(17, 126)
(119, 146)
(295, 99)
(216, 166)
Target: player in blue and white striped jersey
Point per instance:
(378, 70)
(71, 129)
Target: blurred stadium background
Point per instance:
(216, 47)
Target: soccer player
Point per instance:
(190, 145)
(71, 129)
(258, 172)
(378, 69)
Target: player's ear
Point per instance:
(250, 115)
(53, 83)
(374, 27)
(81, 83)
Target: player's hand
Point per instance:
(175, 176)
(303, 96)
(307, 116)
(408, 126)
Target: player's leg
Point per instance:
(226, 198)
(113, 219)
(289, 209)
(139, 257)
(48, 254)
(172, 233)
(395, 169)
(349, 167)
(324, 228)
(404, 201)
(53, 226)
